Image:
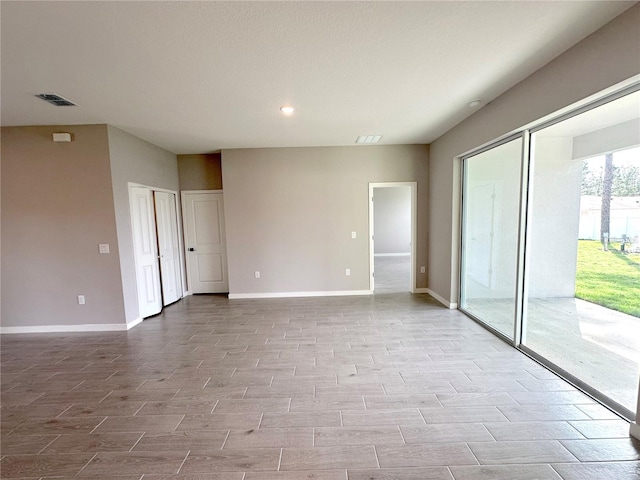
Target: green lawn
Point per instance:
(610, 279)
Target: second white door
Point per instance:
(169, 251)
(205, 242)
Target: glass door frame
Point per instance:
(515, 339)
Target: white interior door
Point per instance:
(145, 251)
(168, 246)
(205, 241)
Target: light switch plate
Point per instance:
(104, 248)
(353, 235)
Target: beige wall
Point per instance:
(605, 58)
(200, 172)
(57, 206)
(290, 212)
(134, 160)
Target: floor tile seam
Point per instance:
(49, 444)
(489, 431)
(101, 422)
(137, 389)
(570, 423)
(475, 457)
(31, 402)
(86, 464)
(497, 407)
(558, 442)
(137, 441)
(183, 461)
(404, 440)
(595, 462)
(592, 440)
(375, 452)
(259, 421)
(138, 410)
(65, 410)
(175, 429)
(83, 381)
(216, 404)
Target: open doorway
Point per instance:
(392, 225)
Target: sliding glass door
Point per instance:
(551, 250)
(583, 298)
(491, 206)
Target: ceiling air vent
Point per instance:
(368, 139)
(55, 99)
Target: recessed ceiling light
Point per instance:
(475, 103)
(366, 139)
(287, 110)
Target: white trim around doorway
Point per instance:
(414, 228)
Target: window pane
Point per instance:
(490, 238)
(584, 296)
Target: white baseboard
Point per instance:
(392, 254)
(334, 293)
(634, 430)
(90, 327)
(442, 300)
(133, 323)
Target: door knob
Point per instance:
(192, 249)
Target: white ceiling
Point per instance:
(196, 77)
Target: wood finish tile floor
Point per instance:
(392, 274)
(344, 388)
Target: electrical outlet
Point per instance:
(347, 272)
(353, 235)
(256, 274)
(421, 269)
(81, 300)
(103, 248)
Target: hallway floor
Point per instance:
(392, 274)
(390, 386)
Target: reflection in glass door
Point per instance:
(491, 206)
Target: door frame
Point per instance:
(185, 264)
(414, 228)
(180, 234)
